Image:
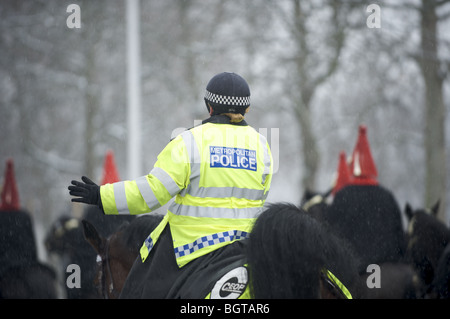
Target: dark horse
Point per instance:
(117, 252)
(288, 255)
(65, 239)
(428, 250)
(288, 250)
(368, 218)
(22, 275)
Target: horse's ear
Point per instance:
(409, 211)
(435, 208)
(308, 193)
(92, 236)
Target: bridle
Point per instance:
(105, 265)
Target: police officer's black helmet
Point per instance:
(227, 93)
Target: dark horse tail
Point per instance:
(287, 251)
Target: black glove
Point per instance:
(87, 192)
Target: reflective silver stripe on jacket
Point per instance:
(225, 192)
(267, 161)
(194, 160)
(214, 212)
(121, 198)
(147, 192)
(166, 180)
(193, 153)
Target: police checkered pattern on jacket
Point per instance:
(210, 240)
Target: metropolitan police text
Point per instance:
(232, 157)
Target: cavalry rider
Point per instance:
(219, 173)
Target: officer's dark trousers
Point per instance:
(160, 277)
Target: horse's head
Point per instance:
(423, 222)
(411, 213)
(427, 237)
(113, 260)
(117, 253)
(64, 235)
(315, 203)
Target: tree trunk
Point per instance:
(309, 146)
(309, 81)
(434, 129)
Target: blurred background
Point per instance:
(316, 69)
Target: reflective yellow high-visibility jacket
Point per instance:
(220, 175)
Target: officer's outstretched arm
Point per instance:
(86, 192)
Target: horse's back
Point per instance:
(160, 277)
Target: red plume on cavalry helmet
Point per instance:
(362, 165)
(344, 177)
(110, 174)
(9, 195)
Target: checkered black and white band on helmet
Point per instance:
(227, 100)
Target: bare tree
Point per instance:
(434, 70)
(313, 61)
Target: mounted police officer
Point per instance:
(219, 173)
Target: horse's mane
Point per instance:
(134, 233)
(287, 250)
(105, 224)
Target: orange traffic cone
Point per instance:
(344, 177)
(362, 165)
(10, 195)
(110, 174)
